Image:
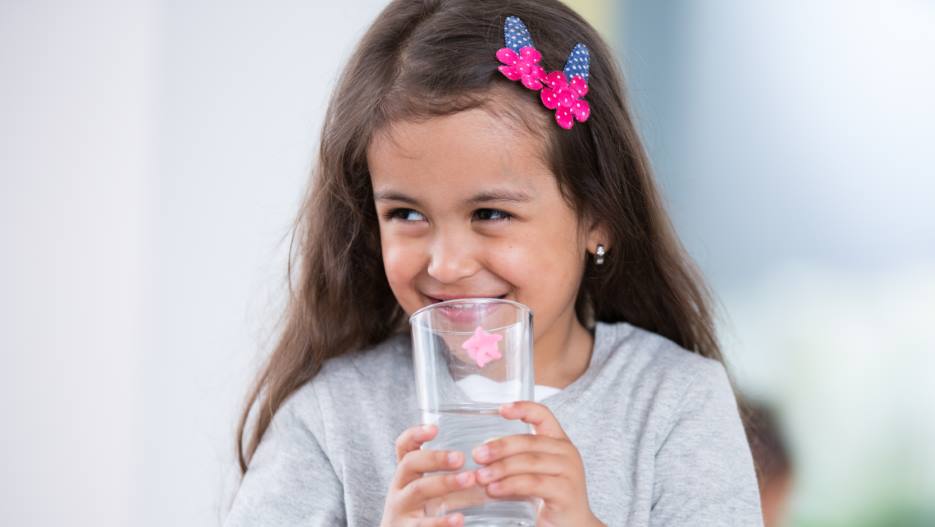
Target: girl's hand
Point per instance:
(546, 465)
(410, 490)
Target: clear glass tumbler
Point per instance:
(471, 356)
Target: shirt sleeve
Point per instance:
(704, 469)
(290, 480)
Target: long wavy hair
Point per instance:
(425, 58)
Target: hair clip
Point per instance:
(560, 90)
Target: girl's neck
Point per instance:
(563, 354)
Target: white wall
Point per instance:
(152, 159)
(75, 100)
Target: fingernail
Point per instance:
(485, 473)
(454, 458)
(482, 452)
(452, 520)
(426, 428)
(463, 478)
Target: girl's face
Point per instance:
(468, 207)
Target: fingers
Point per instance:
(535, 414)
(443, 521)
(414, 464)
(552, 489)
(412, 439)
(416, 493)
(526, 463)
(518, 444)
(521, 465)
(472, 496)
(411, 490)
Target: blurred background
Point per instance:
(152, 158)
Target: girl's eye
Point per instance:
(409, 215)
(403, 214)
(493, 215)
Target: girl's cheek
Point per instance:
(515, 264)
(513, 259)
(398, 261)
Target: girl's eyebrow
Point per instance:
(513, 196)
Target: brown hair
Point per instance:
(423, 58)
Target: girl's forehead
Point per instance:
(465, 150)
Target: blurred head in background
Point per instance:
(771, 458)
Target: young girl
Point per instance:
(473, 148)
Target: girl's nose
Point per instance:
(452, 259)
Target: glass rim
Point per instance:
(479, 300)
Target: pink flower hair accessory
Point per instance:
(562, 91)
(522, 66)
(564, 97)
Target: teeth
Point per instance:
(462, 306)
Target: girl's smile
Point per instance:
(439, 297)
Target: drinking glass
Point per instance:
(472, 355)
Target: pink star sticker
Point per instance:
(482, 346)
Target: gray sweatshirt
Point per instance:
(656, 426)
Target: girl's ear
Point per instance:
(598, 234)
